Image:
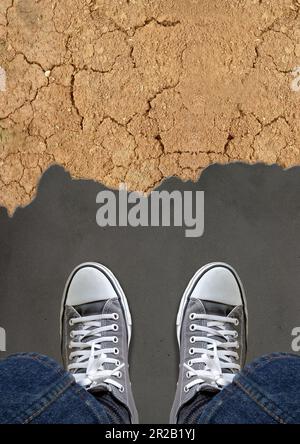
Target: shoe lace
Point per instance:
(90, 366)
(216, 360)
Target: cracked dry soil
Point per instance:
(137, 90)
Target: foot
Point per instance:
(95, 333)
(211, 332)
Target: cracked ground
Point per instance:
(138, 90)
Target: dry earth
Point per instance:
(137, 90)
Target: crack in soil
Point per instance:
(137, 91)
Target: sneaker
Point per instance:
(212, 333)
(95, 333)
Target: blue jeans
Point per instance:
(265, 392)
(34, 389)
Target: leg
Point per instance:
(265, 392)
(35, 389)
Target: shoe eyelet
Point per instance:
(71, 322)
(236, 335)
(115, 327)
(188, 375)
(115, 316)
(192, 327)
(115, 340)
(186, 389)
(120, 375)
(192, 316)
(118, 363)
(192, 339)
(121, 389)
(237, 322)
(190, 363)
(191, 351)
(116, 351)
(72, 334)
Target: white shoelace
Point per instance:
(217, 356)
(91, 359)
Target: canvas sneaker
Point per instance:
(212, 333)
(95, 333)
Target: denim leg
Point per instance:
(265, 392)
(35, 389)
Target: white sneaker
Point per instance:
(96, 331)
